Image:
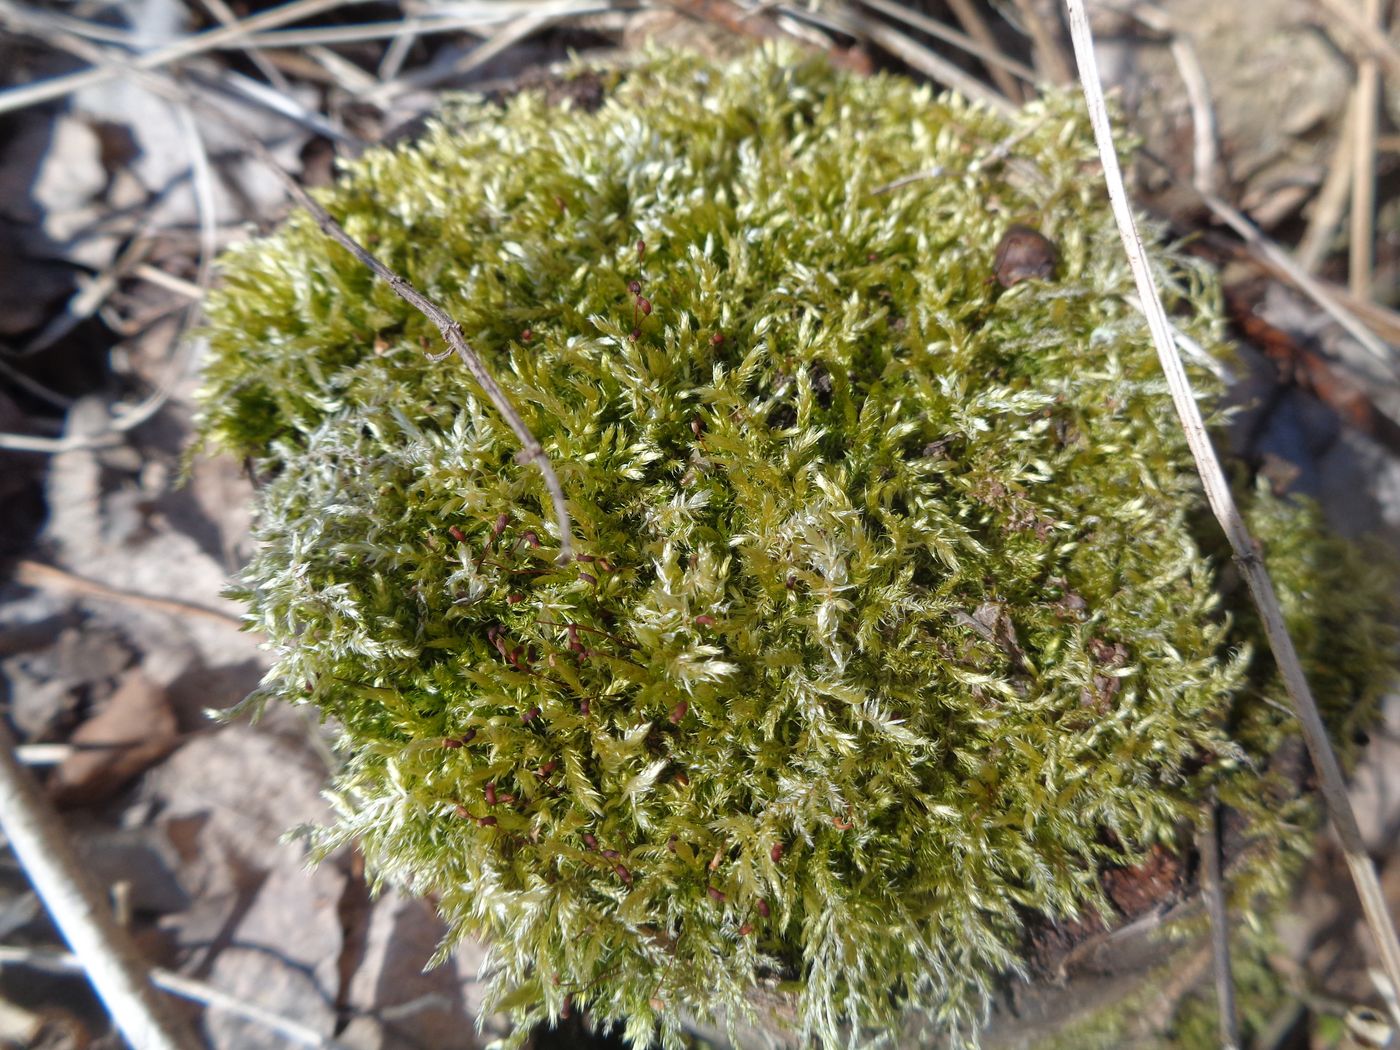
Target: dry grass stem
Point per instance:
(1213, 890)
(1204, 133)
(77, 906)
(1363, 165)
(1362, 37)
(1051, 61)
(976, 26)
(1288, 268)
(50, 578)
(1246, 551)
(224, 36)
(1331, 202)
(52, 961)
(926, 61)
(997, 62)
(225, 16)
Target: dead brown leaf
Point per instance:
(132, 731)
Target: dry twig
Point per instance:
(1246, 550)
(1365, 109)
(1208, 845)
(997, 62)
(104, 949)
(185, 988)
(224, 36)
(1331, 202)
(50, 577)
(531, 450)
(1050, 58)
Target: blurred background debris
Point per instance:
(1269, 143)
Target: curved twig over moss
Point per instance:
(890, 627)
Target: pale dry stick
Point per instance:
(1202, 115)
(78, 908)
(348, 76)
(182, 352)
(226, 17)
(363, 32)
(1309, 285)
(1212, 889)
(1331, 202)
(155, 275)
(53, 446)
(1363, 38)
(976, 27)
(930, 63)
(44, 754)
(1051, 61)
(992, 57)
(507, 36)
(231, 36)
(51, 961)
(247, 90)
(88, 299)
(1363, 163)
(1222, 503)
(40, 576)
(1204, 135)
(396, 53)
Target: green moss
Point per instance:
(893, 624)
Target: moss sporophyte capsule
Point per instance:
(901, 603)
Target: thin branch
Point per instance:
(1363, 38)
(1331, 202)
(1208, 845)
(1363, 163)
(50, 577)
(225, 16)
(531, 450)
(925, 60)
(224, 36)
(1050, 58)
(1309, 285)
(51, 961)
(976, 27)
(992, 57)
(182, 350)
(1217, 489)
(1204, 135)
(79, 910)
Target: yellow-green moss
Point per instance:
(893, 622)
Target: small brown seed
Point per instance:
(1024, 254)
